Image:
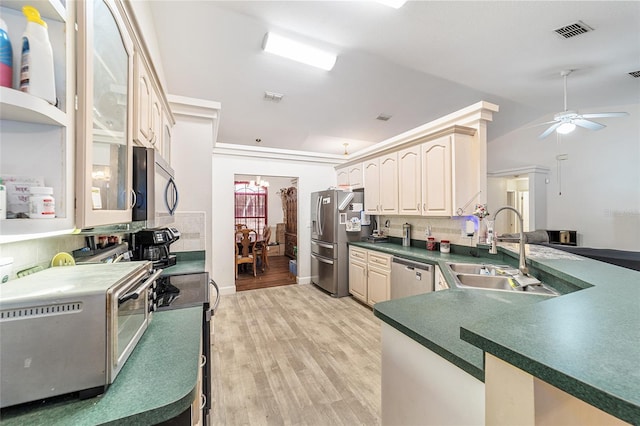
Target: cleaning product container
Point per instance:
(36, 70)
(6, 57)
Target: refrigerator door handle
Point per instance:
(319, 214)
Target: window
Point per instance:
(251, 206)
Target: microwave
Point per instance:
(70, 329)
(155, 190)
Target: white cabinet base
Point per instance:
(421, 388)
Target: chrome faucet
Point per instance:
(522, 264)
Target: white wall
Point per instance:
(192, 142)
(600, 181)
(311, 177)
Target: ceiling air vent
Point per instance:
(383, 117)
(573, 30)
(272, 96)
(635, 74)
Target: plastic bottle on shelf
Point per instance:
(42, 205)
(36, 69)
(6, 57)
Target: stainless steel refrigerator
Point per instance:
(332, 212)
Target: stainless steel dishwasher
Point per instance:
(409, 278)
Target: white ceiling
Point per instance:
(417, 63)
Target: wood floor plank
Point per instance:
(293, 355)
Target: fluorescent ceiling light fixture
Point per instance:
(565, 128)
(396, 4)
(297, 51)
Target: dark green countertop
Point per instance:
(586, 343)
(189, 262)
(157, 382)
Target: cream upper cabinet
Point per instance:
(409, 181)
(371, 170)
(350, 176)
(36, 138)
(156, 122)
(342, 176)
(167, 128)
(355, 176)
(381, 184)
(144, 103)
(389, 184)
(104, 126)
(450, 180)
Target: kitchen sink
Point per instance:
(496, 277)
(485, 281)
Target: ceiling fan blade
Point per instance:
(541, 124)
(604, 114)
(591, 125)
(549, 130)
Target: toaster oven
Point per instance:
(71, 329)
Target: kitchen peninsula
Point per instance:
(581, 347)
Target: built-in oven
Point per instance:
(191, 290)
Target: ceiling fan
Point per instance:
(566, 121)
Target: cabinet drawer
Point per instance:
(360, 254)
(380, 260)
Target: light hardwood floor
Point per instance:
(293, 355)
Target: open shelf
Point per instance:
(51, 9)
(19, 106)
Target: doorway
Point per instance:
(523, 189)
(268, 202)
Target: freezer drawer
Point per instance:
(324, 273)
(324, 249)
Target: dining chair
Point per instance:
(245, 241)
(262, 250)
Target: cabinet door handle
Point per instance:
(418, 207)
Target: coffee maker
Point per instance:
(153, 245)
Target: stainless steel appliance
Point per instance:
(153, 245)
(155, 188)
(410, 278)
(190, 290)
(332, 213)
(71, 328)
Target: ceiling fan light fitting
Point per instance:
(566, 128)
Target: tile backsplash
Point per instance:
(441, 228)
(39, 252)
(192, 227)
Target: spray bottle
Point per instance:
(36, 69)
(6, 57)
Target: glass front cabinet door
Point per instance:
(105, 100)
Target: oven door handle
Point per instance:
(140, 289)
